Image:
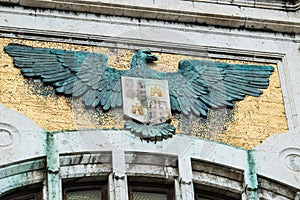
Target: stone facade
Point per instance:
(264, 32)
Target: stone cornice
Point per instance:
(276, 16)
(285, 5)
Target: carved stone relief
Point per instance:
(290, 158)
(8, 135)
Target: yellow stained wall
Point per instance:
(249, 123)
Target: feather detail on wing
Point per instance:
(199, 85)
(78, 73)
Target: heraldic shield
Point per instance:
(146, 100)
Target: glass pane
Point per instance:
(206, 197)
(84, 195)
(27, 197)
(148, 196)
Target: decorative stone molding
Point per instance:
(22, 143)
(283, 154)
(16, 133)
(159, 160)
(290, 158)
(277, 158)
(97, 153)
(8, 134)
(22, 173)
(270, 189)
(282, 17)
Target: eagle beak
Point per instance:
(151, 58)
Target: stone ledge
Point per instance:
(237, 15)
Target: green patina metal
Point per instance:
(14, 182)
(53, 178)
(16, 174)
(197, 87)
(19, 168)
(252, 182)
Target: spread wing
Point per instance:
(78, 73)
(200, 85)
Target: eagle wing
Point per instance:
(199, 85)
(78, 73)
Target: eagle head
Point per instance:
(142, 57)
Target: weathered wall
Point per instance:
(251, 122)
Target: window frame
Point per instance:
(210, 196)
(24, 193)
(84, 187)
(158, 189)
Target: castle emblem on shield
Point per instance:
(146, 100)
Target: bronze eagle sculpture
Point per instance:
(195, 88)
